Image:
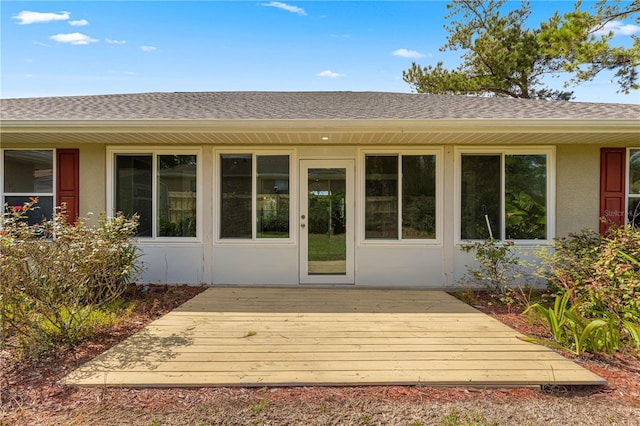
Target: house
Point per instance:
(293, 188)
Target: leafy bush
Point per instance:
(577, 334)
(57, 277)
(497, 265)
(599, 276)
(601, 272)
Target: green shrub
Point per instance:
(601, 272)
(498, 265)
(577, 334)
(58, 278)
(601, 277)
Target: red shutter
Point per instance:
(612, 187)
(68, 181)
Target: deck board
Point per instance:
(327, 336)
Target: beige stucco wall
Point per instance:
(577, 188)
(93, 179)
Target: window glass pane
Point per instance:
(176, 196)
(526, 197)
(418, 196)
(235, 205)
(633, 214)
(272, 182)
(134, 191)
(28, 171)
(381, 197)
(480, 197)
(40, 211)
(634, 171)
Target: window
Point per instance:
(504, 195)
(29, 174)
(162, 189)
(254, 190)
(633, 191)
(400, 196)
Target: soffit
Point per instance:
(311, 132)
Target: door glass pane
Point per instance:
(327, 222)
(634, 171)
(381, 197)
(525, 196)
(177, 195)
(133, 189)
(28, 171)
(235, 205)
(418, 196)
(480, 197)
(272, 205)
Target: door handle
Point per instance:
(302, 225)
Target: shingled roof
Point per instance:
(305, 106)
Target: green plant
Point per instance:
(60, 279)
(453, 418)
(602, 275)
(578, 335)
(499, 268)
(260, 406)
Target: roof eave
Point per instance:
(419, 126)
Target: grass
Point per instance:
(323, 248)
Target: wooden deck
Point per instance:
(327, 336)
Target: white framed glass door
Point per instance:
(327, 221)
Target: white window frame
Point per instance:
(254, 194)
(549, 151)
(628, 195)
(54, 179)
(438, 153)
(112, 152)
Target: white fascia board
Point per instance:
(293, 126)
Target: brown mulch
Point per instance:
(30, 395)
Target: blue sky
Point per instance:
(56, 48)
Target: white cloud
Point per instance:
(79, 23)
(329, 74)
(618, 28)
(28, 17)
(148, 48)
(111, 41)
(73, 38)
(289, 8)
(405, 53)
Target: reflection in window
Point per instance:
(418, 196)
(27, 171)
(177, 196)
(42, 210)
(235, 205)
(272, 204)
(634, 171)
(523, 216)
(29, 174)
(480, 197)
(134, 176)
(381, 197)
(525, 197)
(269, 176)
(633, 196)
(174, 180)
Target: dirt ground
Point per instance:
(30, 395)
